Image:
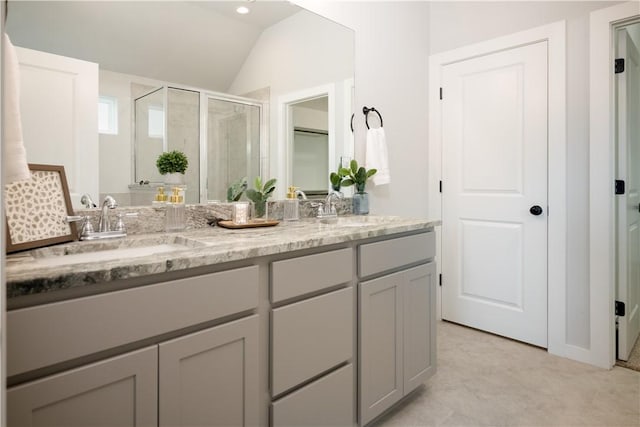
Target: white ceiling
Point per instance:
(199, 43)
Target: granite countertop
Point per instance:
(79, 264)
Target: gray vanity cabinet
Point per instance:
(396, 323)
(210, 378)
(120, 391)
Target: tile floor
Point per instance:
(485, 380)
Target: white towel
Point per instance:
(15, 156)
(377, 156)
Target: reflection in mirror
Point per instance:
(149, 134)
(311, 145)
(159, 129)
(254, 59)
(233, 144)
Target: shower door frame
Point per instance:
(205, 96)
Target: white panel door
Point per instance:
(59, 108)
(494, 201)
(629, 204)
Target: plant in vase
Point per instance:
(358, 176)
(234, 192)
(259, 196)
(172, 165)
(336, 180)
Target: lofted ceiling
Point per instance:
(196, 43)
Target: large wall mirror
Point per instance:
(193, 76)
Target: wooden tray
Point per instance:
(250, 224)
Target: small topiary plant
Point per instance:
(172, 162)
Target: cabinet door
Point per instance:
(419, 325)
(121, 391)
(380, 345)
(210, 378)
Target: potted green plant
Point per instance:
(172, 165)
(336, 180)
(237, 188)
(358, 176)
(259, 195)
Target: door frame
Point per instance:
(602, 171)
(555, 35)
(285, 130)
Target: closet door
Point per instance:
(59, 108)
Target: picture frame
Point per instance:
(36, 210)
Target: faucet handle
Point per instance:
(120, 226)
(74, 218)
(86, 226)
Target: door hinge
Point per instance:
(619, 186)
(619, 65)
(620, 309)
(440, 93)
(440, 186)
(440, 280)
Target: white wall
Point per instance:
(391, 74)
(321, 53)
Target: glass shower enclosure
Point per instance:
(221, 135)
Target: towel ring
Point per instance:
(366, 112)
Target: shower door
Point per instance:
(183, 134)
(232, 144)
(167, 119)
(149, 135)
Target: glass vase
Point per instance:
(260, 211)
(361, 203)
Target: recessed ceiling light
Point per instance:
(243, 10)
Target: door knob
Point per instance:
(535, 210)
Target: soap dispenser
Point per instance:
(291, 207)
(160, 198)
(175, 215)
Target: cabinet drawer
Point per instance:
(310, 337)
(48, 334)
(298, 276)
(389, 254)
(328, 401)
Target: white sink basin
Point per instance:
(94, 252)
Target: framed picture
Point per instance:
(36, 209)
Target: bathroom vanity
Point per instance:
(301, 324)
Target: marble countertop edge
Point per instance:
(211, 246)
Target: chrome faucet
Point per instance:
(108, 203)
(301, 194)
(328, 208)
(87, 201)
